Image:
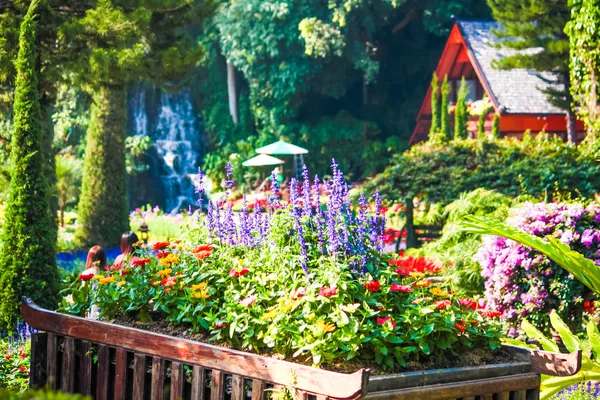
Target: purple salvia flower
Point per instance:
(228, 182)
(361, 231)
(307, 204)
(200, 190)
(273, 199)
(245, 233)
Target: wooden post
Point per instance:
(411, 234)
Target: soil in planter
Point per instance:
(470, 358)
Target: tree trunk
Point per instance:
(103, 210)
(232, 91)
(571, 120)
(411, 233)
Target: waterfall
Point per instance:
(174, 127)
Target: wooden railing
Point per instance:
(78, 355)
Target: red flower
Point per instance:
(220, 325)
(160, 246)
(300, 292)
(382, 321)
(86, 275)
(140, 262)
(22, 368)
(460, 327)
(587, 304)
(327, 291)
(201, 255)
(491, 313)
(170, 281)
(234, 273)
(401, 288)
(203, 247)
(162, 254)
(7, 358)
(23, 355)
(442, 304)
(373, 286)
(467, 303)
(474, 323)
(403, 271)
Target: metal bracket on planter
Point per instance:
(550, 363)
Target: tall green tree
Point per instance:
(435, 107)
(27, 260)
(584, 37)
(119, 42)
(461, 113)
(445, 114)
(539, 24)
(496, 126)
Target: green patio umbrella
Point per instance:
(262, 159)
(282, 148)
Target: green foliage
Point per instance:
(496, 126)
(537, 166)
(27, 263)
(136, 148)
(461, 113)
(445, 124)
(68, 181)
(14, 364)
(41, 395)
(456, 247)
(103, 203)
(584, 38)
(435, 107)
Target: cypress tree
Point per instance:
(496, 126)
(27, 260)
(481, 124)
(435, 107)
(445, 114)
(461, 112)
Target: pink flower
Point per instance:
(442, 304)
(248, 301)
(401, 288)
(467, 303)
(234, 273)
(327, 291)
(382, 321)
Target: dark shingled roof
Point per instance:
(517, 90)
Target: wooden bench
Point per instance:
(420, 234)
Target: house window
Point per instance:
(473, 87)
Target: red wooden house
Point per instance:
(516, 95)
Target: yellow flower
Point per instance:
(202, 294)
(310, 316)
(325, 327)
(436, 291)
(350, 308)
(169, 260)
(417, 275)
(270, 314)
(165, 272)
(108, 279)
(199, 287)
(120, 283)
(97, 277)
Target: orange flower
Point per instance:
(170, 281)
(460, 327)
(160, 246)
(422, 283)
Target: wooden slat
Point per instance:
(51, 360)
(85, 382)
(521, 395)
(488, 397)
(139, 376)
(504, 396)
(460, 390)
(102, 373)
(39, 346)
(237, 387)
(217, 384)
(469, 398)
(258, 389)
(301, 395)
(177, 381)
(342, 386)
(158, 378)
(120, 373)
(197, 383)
(321, 397)
(67, 383)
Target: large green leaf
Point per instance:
(533, 333)
(594, 338)
(569, 340)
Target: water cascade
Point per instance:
(177, 136)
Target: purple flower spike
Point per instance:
(306, 198)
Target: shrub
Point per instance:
(14, 364)
(522, 283)
(306, 282)
(40, 395)
(27, 264)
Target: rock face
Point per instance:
(174, 124)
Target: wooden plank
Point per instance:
(102, 373)
(85, 383)
(521, 395)
(504, 396)
(459, 390)
(120, 373)
(39, 346)
(217, 385)
(339, 385)
(67, 383)
(488, 397)
(237, 387)
(51, 361)
(158, 378)
(139, 376)
(258, 389)
(197, 383)
(177, 381)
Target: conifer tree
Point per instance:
(481, 124)
(461, 114)
(496, 126)
(435, 107)
(539, 25)
(27, 259)
(120, 45)
(445, 112)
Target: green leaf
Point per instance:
(426, 310)
(232, 329)
(427, 329)
(594, 338)
(425, 348)
(533, 333)
(569, 340)
(519, 343)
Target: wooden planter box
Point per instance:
(108, 361)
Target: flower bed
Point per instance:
(307, 283)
